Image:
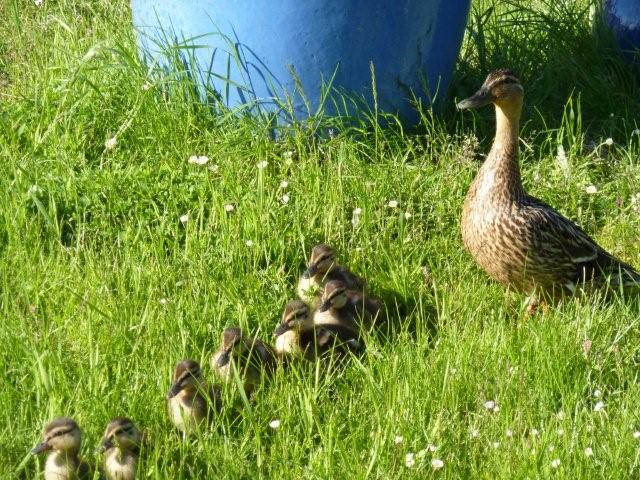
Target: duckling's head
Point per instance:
(186, 377)
(334, 295)
(321, 261)
(61, 435)
(501, 88)
(121, 433)
(231, 341)
(296, 316)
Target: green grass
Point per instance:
(91, 242)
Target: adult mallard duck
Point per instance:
(520, 241)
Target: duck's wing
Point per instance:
(335, 337)
(351, 280)
(562, 244)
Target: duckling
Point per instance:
(121, 443)
(347, 308)
(323, 268)
(520, 241)
(251, 357)
(63, 438)
(191, 402)
(298, 336)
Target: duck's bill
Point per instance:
(281, 329)
(223, 359)
(174, 390)
(41, 447)
(324, 306)
(310, 271)
(479, 99)
(105, 445)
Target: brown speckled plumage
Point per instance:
(520, 241)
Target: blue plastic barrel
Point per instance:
(623, 16)
(275, 52)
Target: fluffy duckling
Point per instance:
(347, 308)
(321, 269)
(121, 444)
(63, 438)
(250, 357)
(520, 241)
(191, 402)
(298, 336)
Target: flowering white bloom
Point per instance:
(38, 3)
(33, 190)
(263, 164)
(213, 168)
(248, 243)
(598, 406)
(636, 435)
(407, 215)
(474, 434)
(184, 218)
(198, 159)
(392, 203)
(285, 199)
(409, 460)
(355, 219)
(491, 405)
(163, 301)
(588, 452)
(535, 432)
(229, 207)
(432, 448)
(560, 415)
(437, 464)
(555, 463)
(591, 189)
(274, 424)
(288, 157)
(560, 432)
(398, 440)
(509, 433)
(551, 448)
(284, 184)
(357, 211)
(636, 132)
(597, 393)
(110, 143)
(495, 444)
(608, 141)
(147, 86)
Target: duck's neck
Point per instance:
(501, 171)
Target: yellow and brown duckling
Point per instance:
(249, 357)
(520, 241)
(190, 400)
(298, 336)
(63, 438)
(322, 268)
(121, 446)
(347, 308)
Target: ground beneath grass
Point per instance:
(119, 257)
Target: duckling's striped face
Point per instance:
(296, 316)
(61, 435)
(121, 433)
(334, 296)
(501, 87)
(321, 261)
(231, 343)
(186, 377)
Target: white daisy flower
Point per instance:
(262, 164)
(636, 435)
(535, 432)
(110, 143)
(407, 215)
(608, 141)
(285, 199)
(555, 463)
(409, 460)
(392, 204)
(597, 393)
(248, 243)
(284, 184)
(509, 433)
(437, 464)
(598, 407)
(474, 434)
(163, 301)
(636, 132)
(229, 207)
(274, 424)
(491, 405)
(591, 189)
(588, 452)
(198, 159)
(398, 440)
(184, 218)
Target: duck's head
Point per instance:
(61, 435)
(121, 433)
(501, 88)
(321, 261)
(334, 296)
(231, 342)
(186, 377)
(296, 316)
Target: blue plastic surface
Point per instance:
(623, 16)
(252, 46)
